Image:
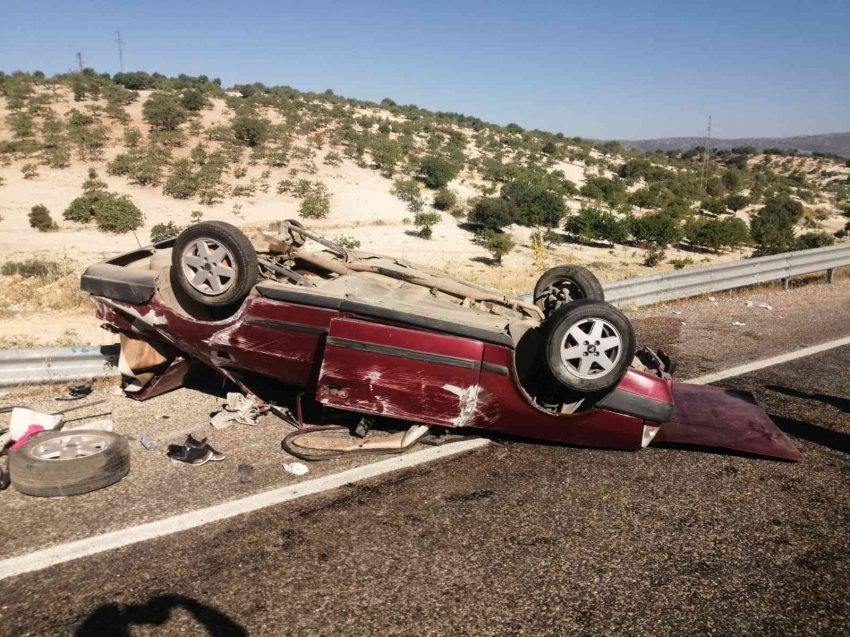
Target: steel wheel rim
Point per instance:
(591, 348)
(71, 447)
(209, 266)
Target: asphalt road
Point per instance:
(520, 538)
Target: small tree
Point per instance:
(437, 172)
(657, 228)
(40, 219)
(164, 111)
(117, 214)
(194, 100)
(737, 202)
(30, 171)
(181, 183)
(93, 183)
(445, 199)
(714, 206)
(21, 124)
(536, 205)
(424, 221)
(250, 130)
(498, 244)
(811, 240)
(132, 137)
(163, 231)
(315, 206)
(493, 213)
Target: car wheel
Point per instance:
(588, 345)
(564, 283)
(61, 463)
(215, 263)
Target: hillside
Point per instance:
(374, 175)
(832, 143)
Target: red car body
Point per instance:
(374, 360)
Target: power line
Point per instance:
(120, 51)
(705, 152)
(80, 60)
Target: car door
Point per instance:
(400, 373)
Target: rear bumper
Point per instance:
(709, 416)
(119, 283)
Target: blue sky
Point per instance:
(601, 69)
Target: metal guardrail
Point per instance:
(682, 284)
(57, 364)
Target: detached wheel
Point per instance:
(588, 345)
(61, 463)
(565, 283)
(215, 263)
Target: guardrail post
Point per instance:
(786, 282)
(830, 275)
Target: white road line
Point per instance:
(116, 539)
(769, 362)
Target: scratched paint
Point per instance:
(468, 399)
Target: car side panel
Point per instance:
(400, 373)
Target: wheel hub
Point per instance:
(209, 266)
(591, 348)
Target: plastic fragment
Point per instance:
(148, 443)
(246, 473)
(296, 468)
(761, 304)
(104, 424)
(738, 324)
(677, 312)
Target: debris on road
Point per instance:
(238, 409)
(29, 433)
(77, 391)
(246, 473)
(676, 312)
(22, 419)
(92, 425)
(194, 452)
(738, 324)
(761, 304)
(148, 443)
(296, 468)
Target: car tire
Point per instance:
(34, 472)
(215, 263)
(564, 283)
(589, 345)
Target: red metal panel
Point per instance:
(718, 417)
(503, 405)
(276, 339)
(400, 373)
(648, 385)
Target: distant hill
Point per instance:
(838, 143)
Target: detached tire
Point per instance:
(564, 283)
(62, 463)
(588, 345)
(215, 263)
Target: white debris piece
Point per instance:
(761, 304)
(105, 424)
(677, 312)
(296, 468)
(22, 418)
(738, 324)
(238, 408)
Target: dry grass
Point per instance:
(38, 284)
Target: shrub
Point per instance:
(170, 138)
(132, 137)
(29, 171)
(250, 130)
(549, 148)
(658, 228)
(163, 231)
(194, 100)
(493, 213)
(498, 244)
(164, 111)
(737, 202)
(181, 183)
(57, 157)
(386, 153)
(349, 243)
(714, 206)
(653, 257)
(424, 221)
(593, 224)
(333, 159)
(437, 172)
(445, 199)
(714, 234)
(536, 205)
(773, 227)
(93, 184)
(21, 125)
(315, 206)
(111, 212)
(40, 219)
(678, 264)
(812, 240)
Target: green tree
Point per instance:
(714, 205)
(437, 172)
(21, 125)
(315, 205)
(194, 100)
(593, 224)
(251, 130)
(493, 213)
(716, 234)
(737, 202)
(498, 244)
(536, 206)
(812, 240)
(424, 221)
(445, 199)
(164, 111)
(657, 228)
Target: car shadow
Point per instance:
(840, 403)
(813, 433)
(116, 620)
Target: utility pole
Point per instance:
(706, 150)
(80, 61)
(120, 51)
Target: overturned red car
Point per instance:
(379, 336)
